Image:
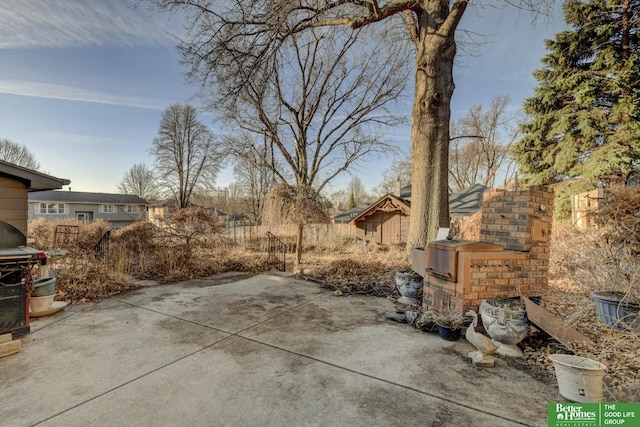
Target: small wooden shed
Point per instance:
(385, 221)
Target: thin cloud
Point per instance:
(70, 93)
(71, 23)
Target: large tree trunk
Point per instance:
(430, 127)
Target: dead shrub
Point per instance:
(468, 229)
(81, 279)
(603, 258)
(41, 231)
(360, 272)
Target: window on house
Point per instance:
(52, 208)
(131, 208)
(107, 208)
(368, 228)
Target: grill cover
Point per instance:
(11, 237)
(442, 255)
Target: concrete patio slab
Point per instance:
(261, 350)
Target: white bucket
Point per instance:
(579, 378)
(38, 304)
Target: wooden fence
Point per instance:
(314, 234)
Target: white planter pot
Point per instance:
(38, 304)
(505, 320)
(579, 378)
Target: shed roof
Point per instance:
(387, 203)
(82, 197)
(34, 180)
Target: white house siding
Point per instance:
(72, 209)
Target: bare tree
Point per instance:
(254, 179)
(140, 181)
(320, 102)
(256, 31)
(480, 145)
(398, 174)
(185, 154)
(339, 199)
(18, 154)
(357, 191)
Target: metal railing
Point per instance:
(276, 252)
(102, 247)
(66, 236)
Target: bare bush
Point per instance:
(358, 270)
(468, 229)
(41, 232)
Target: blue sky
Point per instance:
(83, 83)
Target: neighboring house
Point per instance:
(217, 212)
(118, 209)
(345, 217)
(387, 220)
(465, 203)
(16, 184)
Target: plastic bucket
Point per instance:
(579, 378)
(44, 287)
(41, 303)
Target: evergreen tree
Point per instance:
(352, 202)
(584, 117)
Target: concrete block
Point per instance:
(10, 347)
(5, 338)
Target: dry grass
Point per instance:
(360, 271)
(581, 263)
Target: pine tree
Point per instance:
(352, 202)
(584, 117)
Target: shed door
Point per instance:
(390, 228)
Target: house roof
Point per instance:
(172, 203)
(345, 217)
(389, 203)
(82, 197)
(468, 200)
(214, 211)
(34, 180)
(405, 192)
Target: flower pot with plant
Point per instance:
(450, 323)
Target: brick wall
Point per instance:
(521, 221)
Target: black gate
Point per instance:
(277, 252)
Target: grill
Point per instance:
(441, 256)
(15, 259)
